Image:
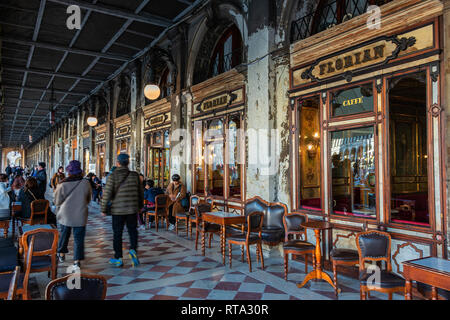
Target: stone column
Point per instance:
(133, 114)
(261, 141)
(446, 103)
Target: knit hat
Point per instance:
(74, 168)
(42, 164)
(123, 159)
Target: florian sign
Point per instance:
(157, 120)
(215, 103)
(374, 53)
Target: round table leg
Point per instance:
(408, 288)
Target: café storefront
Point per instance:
(367, 141)
(100, 146)
(218, 152)
(157, 123)
(122, 134)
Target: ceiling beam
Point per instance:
(185, 2)
(141, 34)
(50, 73)
(10, 86)
(109, 10)
(64, 48)
(40, 101)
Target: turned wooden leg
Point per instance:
(408, 288)
(249, 260)
(262, 256)
(434, 294)
(230, 252)
(156, 223)
(362, 293)
(176, 226)
(306, 263)
(286, 265)
(257, 253)
(203, 239)
(242, 253)
(390, 295)
(335, 277)
(146, 221)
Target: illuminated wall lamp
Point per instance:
(92, 121)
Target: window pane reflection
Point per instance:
(353, 172)
(198, 158)
(234, 157)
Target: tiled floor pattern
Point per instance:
(171, 268)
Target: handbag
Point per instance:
(109, 204)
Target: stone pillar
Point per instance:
(261, 138)
(134, 125)
(446, 103)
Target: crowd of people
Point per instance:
(122, 194)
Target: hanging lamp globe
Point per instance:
(152, 91)
(92, 121)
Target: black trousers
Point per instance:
(118, 222)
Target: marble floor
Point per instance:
(171, 268)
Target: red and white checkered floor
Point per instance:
(171, 268)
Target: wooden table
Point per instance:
(317, 273)
(223, 219)
(431, 270)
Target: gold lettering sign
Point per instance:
(157, 120)
(101, 136)
(214, 103)
(352, 102)
(373, 54)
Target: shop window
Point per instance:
(309, 154)
(199, 179)
(158, 166)
(122, 146)
(353, 172)
(354, 100)
(234, 154)
(408, 154)
(214, 148)
(328, 14)
(228, 52)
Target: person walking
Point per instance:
(41, 177)
(124, 195)
(177, 192)
(72, 197)
(57, 178)
(8, 171)
(4, 198)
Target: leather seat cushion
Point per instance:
(344, 254)
(298, 245)
(182, 214)
(91, 289)
(41, 262)
(8, 259)
(242, 237)
(5, 280)
(386, 280)
(272, 234)
(5, 243)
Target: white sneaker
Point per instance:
(171, 227)
(141, 228)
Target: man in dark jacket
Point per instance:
(125, 192)
(8, 170)
(41, 178)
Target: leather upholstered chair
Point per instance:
(376, 246)
(39, 211)
(208, 227)
(193, 201)
(44, 252)
(292, 226)
(92, 287)
(162, 202)
(13, 284)
(273, 228)
(342, 257)
(251, 236)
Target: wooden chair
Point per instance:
(15, 284)
(208, 228)
(193, 201)
(342, 257)
(183, 216)
(44, 255)
(39, 210)
(292, 226)
(252, 236)
(376, 246)
(92, 287)
(12, 292)
(5, 219)
(162, 202)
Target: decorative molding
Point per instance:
(435, 110)
(434, 72)
(348, 236)
(399, 247)
(379, 85)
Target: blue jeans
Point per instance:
(78, 236)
